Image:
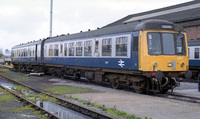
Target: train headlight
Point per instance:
(182, 64)
(169, 64)
(155, 64)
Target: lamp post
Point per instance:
(51, 17)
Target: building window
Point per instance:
(55, 49)
(88, 48)
(71, 49)
(79, 49)
(50, 50)
(65, 49)
(196, 53)
(121, 46)
(106, 47)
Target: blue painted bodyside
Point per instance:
(194, 62)
(24, 60)
(101, 62)
(92, 62)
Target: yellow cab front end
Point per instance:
(163, 56)
(157, 54)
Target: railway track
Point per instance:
(50, 115)
(179, 97)
(62, 102)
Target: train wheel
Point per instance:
(139, 87)
(62, 74)
(115, 83)
(78, 76)
(164, 89)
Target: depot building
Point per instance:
(186, 14)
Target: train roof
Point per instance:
(129, 27)
(27, 44)
(193, 42)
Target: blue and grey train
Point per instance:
(147, 55)
(194, 56)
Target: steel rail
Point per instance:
(65, 103)
(188, 98)
(184, 98)
(50, 115)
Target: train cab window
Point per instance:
(79, 48)
(121, 46)
(180, 44)
(50, 50)
(65, 49)
(196, 53)
(71, 49)
(168, 44)
(154, 43)
(106, 47)
(88, 48)
(55, 49)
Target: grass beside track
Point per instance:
(60, 90)
(11, 108)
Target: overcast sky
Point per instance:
(22, 21)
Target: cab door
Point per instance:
(135, 44)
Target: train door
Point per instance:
(135, 53)
(36, 53)
(96, 49)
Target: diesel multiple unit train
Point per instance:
(148, 55)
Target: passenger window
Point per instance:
(135, 43)
(61, 49)
(33, 51)
(50, 50)
(88, 48)
(65, 49)
(26, 52)
(79, 49)
(196, 53)
(38, 50)
(45, 50)
(106, 47)
(71, 49)
(55, 49)
(121, 46)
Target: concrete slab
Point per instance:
(144, 105)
